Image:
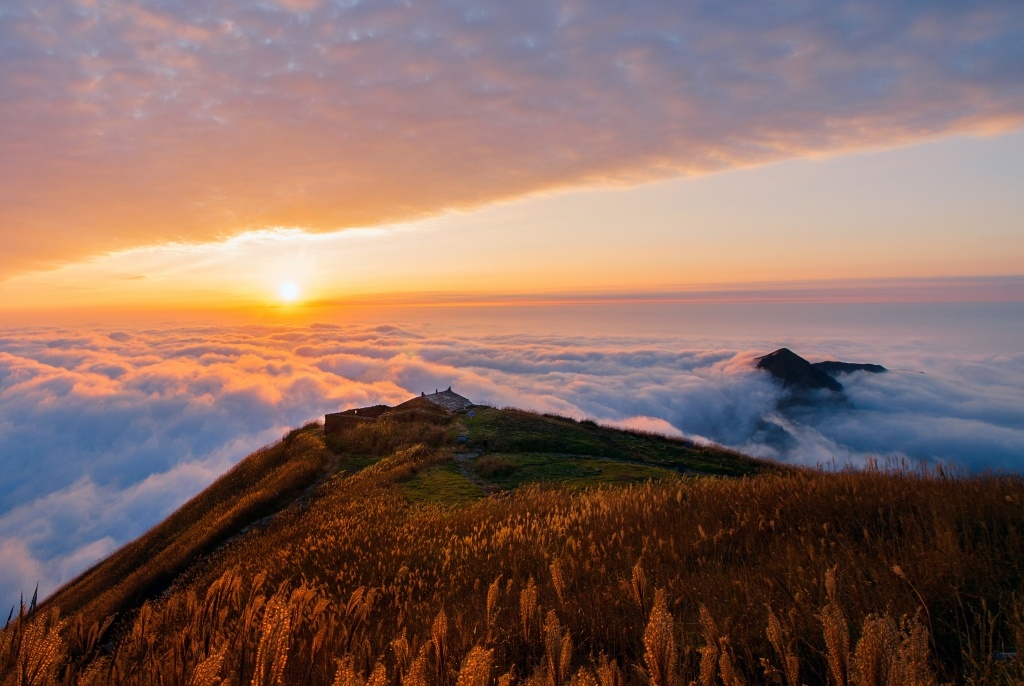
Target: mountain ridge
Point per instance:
(272, 478)
(541, 551)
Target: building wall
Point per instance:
(339, 423)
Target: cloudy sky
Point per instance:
(190, 153)
(221, 219)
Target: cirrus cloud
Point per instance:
(127, 123)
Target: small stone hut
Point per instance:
(435, 406)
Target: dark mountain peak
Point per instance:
(835, 367)
(797, 373)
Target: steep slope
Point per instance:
(257, 487)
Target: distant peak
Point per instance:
(797, 373)
(780, 354)
(802, 377)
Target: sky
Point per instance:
(219, 220)
(237, 154)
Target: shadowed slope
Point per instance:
(257, 486)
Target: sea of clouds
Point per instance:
(103, 433)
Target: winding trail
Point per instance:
(463, 460)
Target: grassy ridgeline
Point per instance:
(256, 487)
(785, 577)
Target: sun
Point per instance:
(288, 291)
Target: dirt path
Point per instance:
(463, 460)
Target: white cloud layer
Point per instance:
(104, 433)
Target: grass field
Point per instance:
(396, 569)
(443, 483)
(518, 431)
(517, 469)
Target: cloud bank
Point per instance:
(103, 433)
(126, 123)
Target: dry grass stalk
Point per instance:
(379, 676)
(873, 655)
(608, 672)
(403, 653)
(912, 668)
(493, 593)
(780, 638)
(660, 652)
(709, 651)
(558, 651)
(346, 673)
(558, 581)
(836, 631)
(639, 585)
(476, 669)
(33, 650)
(439, 639)
(417, 674)
(727, 664)
(207, 671)
(272, 653)
(528, 609)
(584, 677)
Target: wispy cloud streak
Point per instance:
(136, 122)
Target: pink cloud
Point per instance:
(133, 123)
(651, 424)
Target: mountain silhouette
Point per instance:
(797, 373)
(806, 380)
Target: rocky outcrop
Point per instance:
(449, 400)
(424, 407)
(807, 380)
(797, 373)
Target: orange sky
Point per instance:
(167, 157)
(942, 209)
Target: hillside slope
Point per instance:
(549, 448)
(510, 547)
(258, 486)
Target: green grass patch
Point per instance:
(507, 470)
(514, 431)
(442, 483)
(355, 463)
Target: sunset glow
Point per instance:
(615, 166)
(882, 215)
(223, 220)
(288, 291)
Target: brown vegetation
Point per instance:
(793, 577)
(256, 487)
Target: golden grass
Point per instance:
(859, 578)
(257, 486)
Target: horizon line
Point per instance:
(880, 290)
